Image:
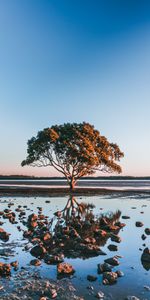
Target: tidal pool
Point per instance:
(136, 279)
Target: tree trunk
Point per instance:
(72, 184)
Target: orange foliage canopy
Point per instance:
(75, 150)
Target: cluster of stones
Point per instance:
(32, 286)
(8, 214)
(5, 269)
(76, 238)
(73, 238)
(105, 269)
(109, 276)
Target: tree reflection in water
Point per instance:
(75, 232)
(78, 232)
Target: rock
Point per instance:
(147, 231)
(38, 251)
(121, 225)
(100, 233)
(5, 269)
(53, 293)
(91, 278)
(90, 287)
(32, 217)
(53, 259)
(112, 247)
(11, 216)
(139, 224)
(65, 269)
(46, 237)
(112, 228)
(113, 261)
(33, 224)
(4, 236)
(89, 240)
(7, 211)
(119, 273)
(99, 295)
(146, 255)
(89, 249)
(145, 259)
(35, 262)
(147, 288)
(101, 268)
(125, 217)
(73, 234)
(36, 241)
(32, 221)
(22, 213)
(27, 234)
(115, 238)
(109, 278)
(41, 217)
(143, 237)
(15, 264)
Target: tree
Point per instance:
(75, 150)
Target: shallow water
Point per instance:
(135, 276)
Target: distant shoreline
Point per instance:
(26, 177)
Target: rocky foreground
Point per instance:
(74, 232)
(30, 286)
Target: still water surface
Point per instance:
(130, 248)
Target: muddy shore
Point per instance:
(59, 191)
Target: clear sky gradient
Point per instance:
(73, 61)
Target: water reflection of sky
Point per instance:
(136, 277)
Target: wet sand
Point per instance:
(64, 191)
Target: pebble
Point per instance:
(139, 224)
(125, 217)
(146, 287)
(100, 295)
(113, 261)
(147, 231)
(90, 287)
(91, 278)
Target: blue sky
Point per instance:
(74, 61)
